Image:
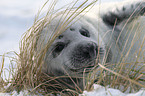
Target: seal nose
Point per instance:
(89, 50)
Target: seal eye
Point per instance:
(84, 32)
(59, 47)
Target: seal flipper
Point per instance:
(123, 12)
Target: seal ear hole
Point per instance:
(72, 29)
(60, 36)
(84, 32)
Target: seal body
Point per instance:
(103, 35)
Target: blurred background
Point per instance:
(16, 16)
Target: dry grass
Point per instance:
(28, 74)
(125, 75)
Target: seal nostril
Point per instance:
(86, 52)
(89, 50)
(96, 49)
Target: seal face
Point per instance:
(74, 51)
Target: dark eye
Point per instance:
(59, 47)
(84, 32)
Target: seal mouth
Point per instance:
(83, 69)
